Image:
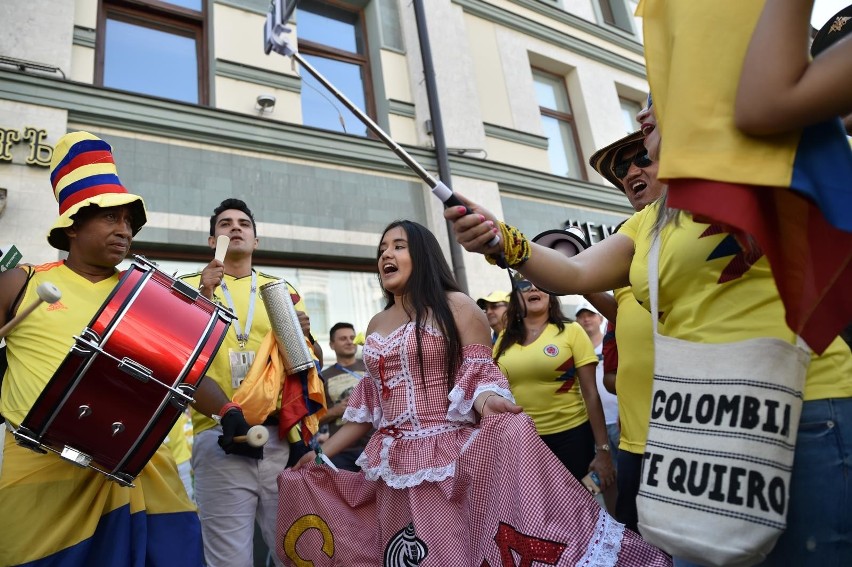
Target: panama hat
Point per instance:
(603, 160)
(83, 173)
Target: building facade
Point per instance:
(196, 112)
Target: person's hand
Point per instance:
(338, 409)
(307, 458)
(602, 464)
(211, 278)
(304, 322)
(476, 230)
(493, 403)
(233, 424)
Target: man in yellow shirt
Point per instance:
(234, 491)
(55, 513)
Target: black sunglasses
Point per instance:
(641, 160)
(524, 285)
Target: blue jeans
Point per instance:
(819, 520)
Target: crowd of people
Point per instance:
(477, 433)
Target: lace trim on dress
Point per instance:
(393, 480)
(362, 414)
(461, 408)
(605, 543)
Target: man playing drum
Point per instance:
(52, 512)
(234, 491)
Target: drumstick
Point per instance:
(221, 247)
(256, 436)
(47, 292)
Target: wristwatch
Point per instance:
(604, 447)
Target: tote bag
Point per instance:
(717, 463)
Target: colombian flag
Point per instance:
(55, 513)
(792, 192)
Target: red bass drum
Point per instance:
(128, 376)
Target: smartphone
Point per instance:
(592, 482)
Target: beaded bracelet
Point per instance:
(516, 247)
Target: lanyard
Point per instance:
(242, 337)
(352, 372)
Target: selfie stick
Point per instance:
(276, 39)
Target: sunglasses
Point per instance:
(641, 160)
(524, 286)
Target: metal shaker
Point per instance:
(285, 326)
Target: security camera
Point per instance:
(265, 102)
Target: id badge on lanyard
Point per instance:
(241, 361)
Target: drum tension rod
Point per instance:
(130, 366)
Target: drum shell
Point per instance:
(285, 326)
(145, 319)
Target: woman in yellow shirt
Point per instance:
(550, 365)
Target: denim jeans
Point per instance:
(819, 520)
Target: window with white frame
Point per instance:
(332, 38)
(153, 47)
(558, 124)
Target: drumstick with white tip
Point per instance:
(221, 247)
(256, 436)
(47, 293)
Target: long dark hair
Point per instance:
(426, 289)
(515, 331)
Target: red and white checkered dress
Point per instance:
(437, 489)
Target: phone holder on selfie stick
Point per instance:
(276, 38)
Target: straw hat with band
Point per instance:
(603, 160)
(83, 173)
(835, 29)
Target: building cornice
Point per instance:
(242, 72)
(109, 108)
(525, 26)
(621, 39)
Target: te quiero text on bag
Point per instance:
(707, 472)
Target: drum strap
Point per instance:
(242, 336)
(3, 361)
(30, 272)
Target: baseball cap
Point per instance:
(493, 297)
(586, 306)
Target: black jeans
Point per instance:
(574, 447)
(629, 476)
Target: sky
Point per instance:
(824, 9)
